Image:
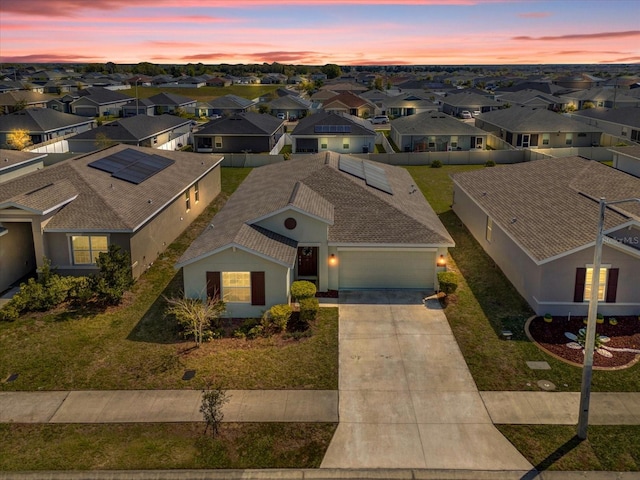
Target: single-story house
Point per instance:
(171, 103)
(538, 221)
(627, 159)
(43, 124)
(99, 101)
(337, 221)
(455, 103)
(14, 164)
(337, 132)
(139, 106)
(242, 132)
(141, 130)
(134, 197)
(350, 103)
(19, 99)
(538, 128)
(435, 132)
(621, 122)
(407, 104)
(230, 104)
(290, 106)
(532, 98)
(600, 97)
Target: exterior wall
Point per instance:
(7, 174)
(277, 279)
(626, 164)
(556, 139)
(442, 142)
(17, 256)
(235, 144)
(356, 144)
(152, 239)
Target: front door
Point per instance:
(526, 139)
(307, 262)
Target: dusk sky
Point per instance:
(317, 32)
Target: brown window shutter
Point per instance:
(213, 285)
(612, 285)
(578, 293)
(257, 289)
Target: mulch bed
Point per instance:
(327, 294)
(551, 337)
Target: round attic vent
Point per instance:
(290, 223)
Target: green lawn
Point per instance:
(206, 93)
(162, 446)
(135, 346)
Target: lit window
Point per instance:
(568, 139)
(187, 200)
(454, 141)
(196, 192)
(218, 142)
(86, 248)
(545, 139)
(345, 143)
(588, 282)
(489, 234)
(236, 287)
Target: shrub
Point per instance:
(276, 319)
(490, 163)
(9, 313)
(436, 164)
(303, 289)
(309, 309)
(114, 277)
(448, 282)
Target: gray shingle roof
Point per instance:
(359, 126)
(466, 99)
(525, 119)
(230, 102)
(10, 158)
(105, 203)
(134, 128)
(245, 123)
(40, 120)
(433, 123)
(550, 206)
(355, 212)
(170, 99)
(102, 96)
(625, 115)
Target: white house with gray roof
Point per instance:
(538, 221)
(621, 122)
(332, 131)
(332, 219)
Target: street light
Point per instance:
(589, 342)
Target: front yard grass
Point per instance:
(205, 94)
(162, 446)
(135, 346)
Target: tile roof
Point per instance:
(550, 207)
(134, 128)
(40, 120)
(105, 203)
(355, 212)
(245, 123)
(525, 119)
(433, 123)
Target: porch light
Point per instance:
(442, 262)
(333, 259)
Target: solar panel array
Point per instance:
(131, 165)
(373, 175)
(332, 128)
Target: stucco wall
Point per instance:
(335, 144)
(17, 257)
(277, 279)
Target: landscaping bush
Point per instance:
(448, 282)
(309, 309)
(303, 289)
(276, 319)
(114, 277)
(436, 164)
(490, 163)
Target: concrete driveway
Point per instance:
(406, 397)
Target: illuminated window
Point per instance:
(489, 234)
(345, 143)
(86, 248)
(454, 141)
(218, 142)
(236, 287)
(545, 138)
(187, 199)
(568, 139)
(588, 282)
(196, 192)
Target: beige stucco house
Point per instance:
(335, 220)
(134, 197)
(539, 220)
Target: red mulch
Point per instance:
(327, 294)
(550, 336)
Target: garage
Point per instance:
(86, 111)
(387, 268)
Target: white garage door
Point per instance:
(386, 269)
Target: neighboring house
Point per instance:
(538, 128)
(134, 197)
(581, 81)
(407, 104)
(455, 103)
(202, 109)
(14, 164)
(98, 102)
(242, 132)
(334, 220)
(531, 98)
(43, 124)
(543, 87)
(140, 130)
(139, 106)
(273, 79)
(627, 159)
(290, 106)
(435, 132)
(218, 82)
(538, 221)
(599, 97)
(351, 104)
(337, 132)
(620, 122)
(230, 104)
(19, 99)
(171, 103)
(342, 87)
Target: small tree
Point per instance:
(195, 316)
(19, 139)
(213, 399)
(114, 277)
(103, 141)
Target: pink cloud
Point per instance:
(49, 58)
(584, 36)
(535, 15)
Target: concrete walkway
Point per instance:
(137, 406)
(407, 398)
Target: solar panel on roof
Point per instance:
(376, 177)
(351, 166)
(110, 164)
(131, 165)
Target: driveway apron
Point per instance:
(407, 398)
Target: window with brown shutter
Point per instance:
(213, 285)
(258, 296)
(612, 285)
(578, 293)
